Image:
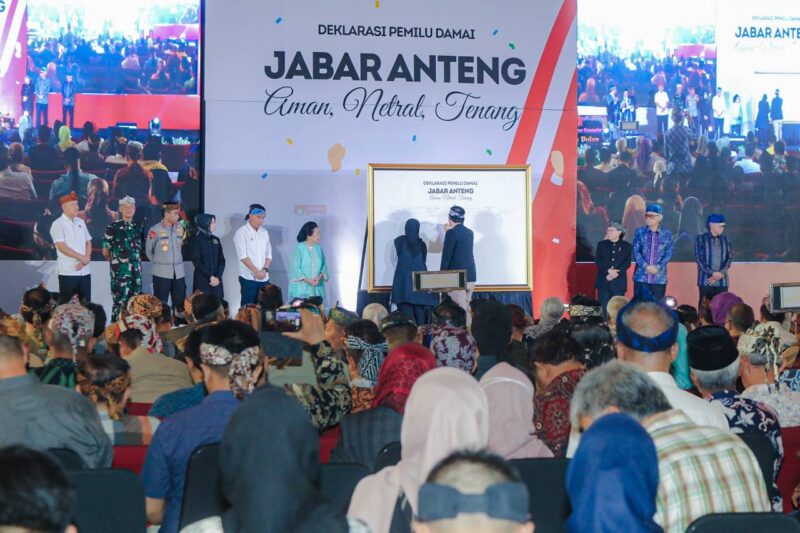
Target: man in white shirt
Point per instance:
(747, 164)
(254, 252)
(73, 248)
(661, 99)
(647, 334)
(718, 106)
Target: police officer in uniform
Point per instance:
(122, 248)
(164, 241)
(457, 254)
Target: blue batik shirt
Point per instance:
(652, 248)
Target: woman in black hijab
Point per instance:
(411, 256)
(269, 460)
(207, 257)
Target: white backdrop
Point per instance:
(496, 207)
(754, 63)
(314, 167)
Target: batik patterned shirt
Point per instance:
(63, 372)
(784, 402)
(551, 411)
(652, 248)
(329, 400)
(750, 417)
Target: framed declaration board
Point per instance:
(497, 200)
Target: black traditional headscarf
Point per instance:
(412, 236)
(269, 460)
(203, 222)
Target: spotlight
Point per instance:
(671, 302)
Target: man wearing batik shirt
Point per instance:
(713, 254)
(714, 361)
(760, 351)
(652, 250)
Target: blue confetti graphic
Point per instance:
(414, 138)
(494, 33)
(264, 175)
(278, 20)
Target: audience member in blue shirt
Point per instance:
(231, 363)
(182, 399)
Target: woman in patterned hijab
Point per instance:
(151, 340)
(145, 304)
(400, 370)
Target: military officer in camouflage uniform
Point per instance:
(164, 241)
(122, 248)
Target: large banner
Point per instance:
(758, 44)
(322, 90)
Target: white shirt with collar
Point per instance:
(74, 234)
(255, 245)
(698, 410)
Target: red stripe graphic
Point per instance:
(554, 213)
(529, 122)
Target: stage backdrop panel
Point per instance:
(324, 89)
(498, 211)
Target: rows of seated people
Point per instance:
(382, 424)
(99, 172)
(758, 190)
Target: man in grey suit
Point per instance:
(164, 241)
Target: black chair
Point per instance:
(108, 500)
(202, 493)
(762, 448)
(338, 481)
(388, 456)
(68, 459)
(745, 523)
(546, 481)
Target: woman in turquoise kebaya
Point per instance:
(308, 270)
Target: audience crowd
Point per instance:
(114, 61)
(40, 166)
(666, 415)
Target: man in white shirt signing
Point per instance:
(73, 248)
(254, 252)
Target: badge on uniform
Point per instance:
(152, 234)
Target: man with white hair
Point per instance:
(702, 470)
(647, 334)
(551, 312)
(760, 351)
(714, 363)
(652, 250)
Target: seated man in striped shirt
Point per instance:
(702, 470)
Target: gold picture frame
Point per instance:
(372, 167)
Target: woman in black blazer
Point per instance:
(209, 263)
(613, 258)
